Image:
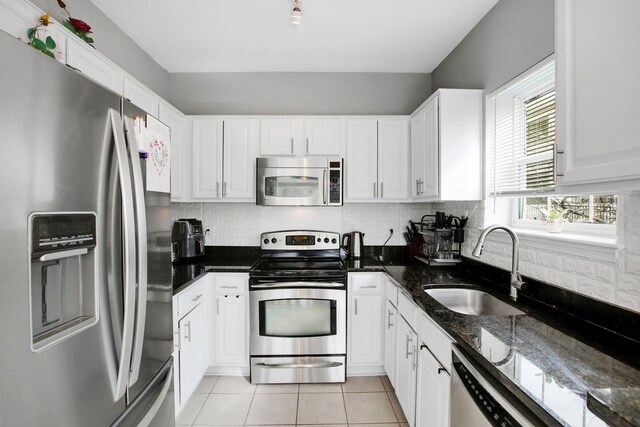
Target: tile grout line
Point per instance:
(253, 395)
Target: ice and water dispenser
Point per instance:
(63, 288)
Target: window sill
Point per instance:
(595, 247)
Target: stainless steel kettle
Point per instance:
(354, 244)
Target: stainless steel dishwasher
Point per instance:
(476, 402)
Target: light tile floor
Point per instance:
(234, 401)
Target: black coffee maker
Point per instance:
(187, 239)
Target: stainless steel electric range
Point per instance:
(298, 299)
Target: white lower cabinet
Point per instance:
(406, 364)
(391, 313)
(433, 391)
(190, 328)
(229, 339)
(365, 348)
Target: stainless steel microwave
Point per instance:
(291, 181)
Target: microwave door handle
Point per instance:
(324, 186)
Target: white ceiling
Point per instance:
(404, 36)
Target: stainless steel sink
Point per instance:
(472, 301)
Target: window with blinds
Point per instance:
(521, 129)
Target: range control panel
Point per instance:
(299, 240)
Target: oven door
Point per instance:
(292, 186)
(298, 321)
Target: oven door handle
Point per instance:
(276, 285)
(300, 365)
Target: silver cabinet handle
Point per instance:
(307, 145)
(389, 324)
(224, 189)
(368, 287)
(559, 164)
(217, 189)
(228, 287)
(382, 190)
(416, 359)
(188, 337)
(291, 145)
(409, 341)
(417, 187)
(196, 298)
(355, 300)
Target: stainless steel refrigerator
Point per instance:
(85, 264)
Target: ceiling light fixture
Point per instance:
(296, 12)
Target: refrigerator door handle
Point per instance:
(129, 254)
(153, 410)
(141, 240)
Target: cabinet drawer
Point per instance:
(407, 308)
(437, 340)
(190, 298)
(391, 290)
(230, 284)
(366, 283)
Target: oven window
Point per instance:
(297, 318)
(291, 186)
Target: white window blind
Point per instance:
(521, 134)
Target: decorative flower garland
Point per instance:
(76, 26)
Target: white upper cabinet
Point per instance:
(82, 57)
(277, 137)
(361, 162)
(598, 95)
(141, 96)
(176, 122)
(322, 137)
(393, 159)
(239, 167)
(377, 160)
(206, 159)
(224, 161)
(424, 152)
(446, 146)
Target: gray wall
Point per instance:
(298, 93)
(512, 37)
(112, 42)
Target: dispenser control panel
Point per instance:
(53, 232)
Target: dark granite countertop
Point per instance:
(545, 366)
(619, 406)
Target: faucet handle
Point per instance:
(516, 281)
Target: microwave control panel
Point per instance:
(335, 183)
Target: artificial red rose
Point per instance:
(61, 4)
(80, 25)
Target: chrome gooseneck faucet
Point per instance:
(516, 279)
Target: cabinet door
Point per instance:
(322, 137)
(175, 120)
(430, 186)
(192, 351)
(406, 341)
(365, 337)
(597, 117)
(85, 59)
(433, 392)
(361, 162)
(393, 159)
(391, 314)
(229, 347)
(276, 137)
(207, 159)
(239, 159)
(418, 159)
(141, 96)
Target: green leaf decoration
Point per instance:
(39, 44)
(69, 27)
(31, 33)
(50, 43)
(49, 53)
(88, 40)
(81, 34)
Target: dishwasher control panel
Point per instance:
(495, 414)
